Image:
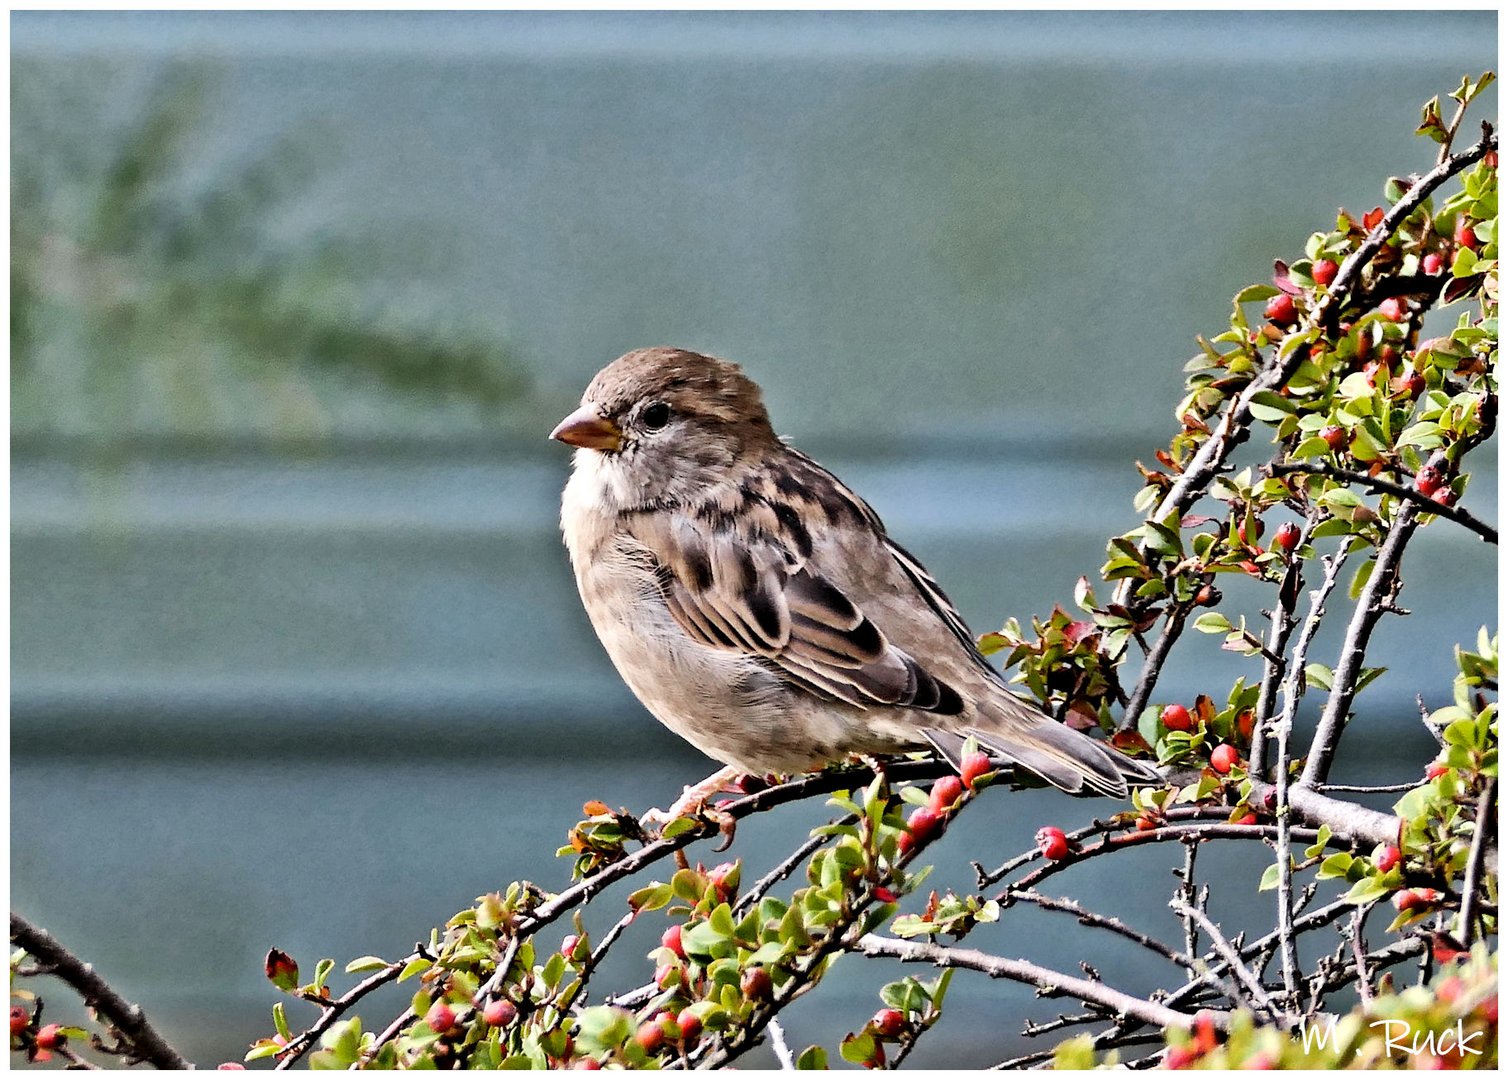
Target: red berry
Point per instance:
(230, 1066)
(500, 1013)
(1247, 819)
(884, 895)
(1386, 856)
(668, 976)
(568, 945)
(1445, 497)
(1324, 271)
(587, 1063)
(1180, 1057)
(923, 824)
(723, 877)
(756, 984)
(1393, 309)
(1490, 159)
(877, 1060)
(1432, 263)
(1287, 537)
(50, 1037)
(945, 793)
(671, 939)
(651, 1035)
(888, 1023)
(1405, 899)
(1176, 718)
(1281, 310)
(1465, 235)
(973, 767)
(1428, 480)
(1224, 757)
(440, 1018)
(1435, 769)
(1145, 824)
(1257, 527)
(1052, 843)
(20, 1019)
(690, 1025)
(1411, 384)
(1335, 436)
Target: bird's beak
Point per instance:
(587, 428)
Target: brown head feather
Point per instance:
(690, 383)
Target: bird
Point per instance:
(759, 608)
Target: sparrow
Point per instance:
(758, 607)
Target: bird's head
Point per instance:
(662, 423)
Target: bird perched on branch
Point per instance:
(757, 606)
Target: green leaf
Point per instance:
(413, 967)
(1319, 676)
(365, 963)
(1212, 622)
(1255, 292)
(280, 1021)
(858, 1048)
(1337, 865)
(813, 1057)
(1270, 878)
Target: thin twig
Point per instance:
(787, 866)
(1151, 669)
(1257, 996)
(300, 1043)
(1103, 922)
(1274, 670)
(1049, 983)
(1186, 894)
(781, 1047)
(1376, 597)
(1476, 861)
(1388, 487)
(146, 1042)
(1359, 950)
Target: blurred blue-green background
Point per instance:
(296, 655)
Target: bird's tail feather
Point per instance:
(1065, 758)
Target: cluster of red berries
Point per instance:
(926, 822)
(43, 1041)
(1224, 756)
(665, 1027)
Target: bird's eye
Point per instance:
(656, 416)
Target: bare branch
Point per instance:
(1376, 598)
(1050, 983)
(146, 1042)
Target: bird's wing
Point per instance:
(753, 592)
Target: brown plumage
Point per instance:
(757, 606)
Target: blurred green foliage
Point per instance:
(150, 299)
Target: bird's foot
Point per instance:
(693, 804)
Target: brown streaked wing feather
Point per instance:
(755, 597)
